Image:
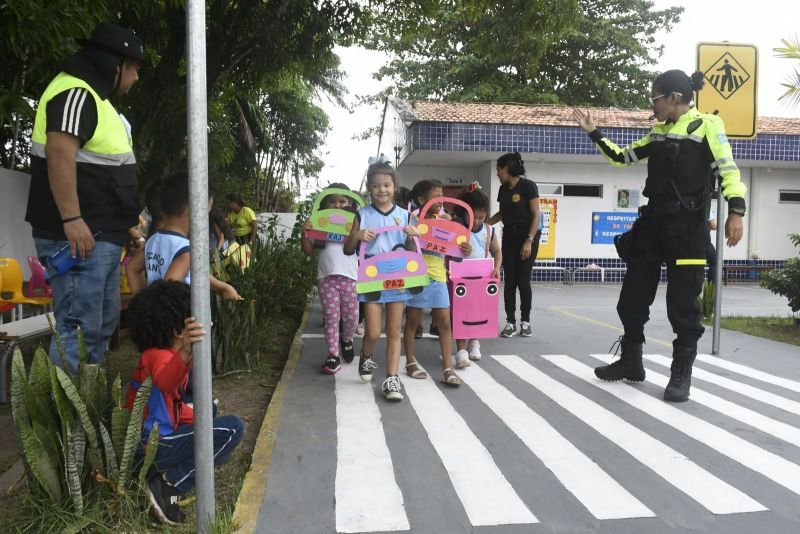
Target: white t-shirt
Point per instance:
(332, 260)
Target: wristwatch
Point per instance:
(531, 238)
(736, 211)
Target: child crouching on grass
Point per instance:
(163, 330)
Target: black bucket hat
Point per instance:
(117, 40)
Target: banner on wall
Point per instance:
(547, 244)
(607, 224)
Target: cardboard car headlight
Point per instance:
(474, 299)
(332, 224)
(396, 269)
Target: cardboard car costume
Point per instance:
(396, 269)
(474, 299)
(443, 236)
(332, 224)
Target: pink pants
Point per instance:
(339, 301)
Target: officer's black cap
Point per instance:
(117, 40)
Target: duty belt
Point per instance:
(670, 206)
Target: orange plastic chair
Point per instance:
(11, 288)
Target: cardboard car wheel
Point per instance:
(373, 296)
(415, 290)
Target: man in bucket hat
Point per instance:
(83, 185)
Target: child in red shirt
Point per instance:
(163, 330)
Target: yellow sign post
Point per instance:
(731, 73)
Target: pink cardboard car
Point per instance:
(332, 224)
(397, 269)
(441, 235)
(474, 299)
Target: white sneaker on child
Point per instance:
(474, 350)
(462, 359)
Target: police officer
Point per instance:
(83, 185)
(685, 151)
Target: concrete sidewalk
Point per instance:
(532, 442)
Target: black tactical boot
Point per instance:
(629, 366)
(681, 378)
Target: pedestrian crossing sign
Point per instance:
(730, 72)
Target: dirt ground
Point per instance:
(246, 394)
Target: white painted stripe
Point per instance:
(769, 464)
(322, 336)
(368, 498)
(67, 104)
(766, 424)
(602, 496)
(79, 108)
(714, 494)
(747, 390)
(750, 372)
(487, 496)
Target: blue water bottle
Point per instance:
(61, 261)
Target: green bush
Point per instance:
(786, 281)
(707, 300)
(76, 436)
(276, 285)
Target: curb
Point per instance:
(251, 496)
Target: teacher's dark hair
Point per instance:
(512, 162)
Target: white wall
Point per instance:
(573, 234)
(285, 222)
(774, 219)
(15, 233)
(411, 174)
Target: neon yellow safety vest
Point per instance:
(105, 169)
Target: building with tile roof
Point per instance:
(458, 143)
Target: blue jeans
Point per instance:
(86, 296)
(175, 453)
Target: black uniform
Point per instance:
(683, 160)
(516, 215)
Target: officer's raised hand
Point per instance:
(733, 229)
(584, 119)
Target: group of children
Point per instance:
(338, 269)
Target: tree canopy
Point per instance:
(594, 52)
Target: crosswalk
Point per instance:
(629, 419)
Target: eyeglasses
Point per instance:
(654, 98)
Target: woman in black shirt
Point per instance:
(519, 211)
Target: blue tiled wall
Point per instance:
(472, 137)
(617, 276)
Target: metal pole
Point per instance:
(718, 273)
(198, 228)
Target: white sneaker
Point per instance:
(462, 359)
(474, 350)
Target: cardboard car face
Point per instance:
(332, 224)
(396, 269)
(474, 299)
(440, 235)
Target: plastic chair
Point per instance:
(7, 306)
(11, 288)
(37, 285)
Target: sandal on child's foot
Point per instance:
(415, 370)
(450, 378)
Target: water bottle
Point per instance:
(61, 261)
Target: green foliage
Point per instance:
(790, 50)
(786, 281)
(707, 300)
(62, 424)
(594, 52)
(276, 284)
